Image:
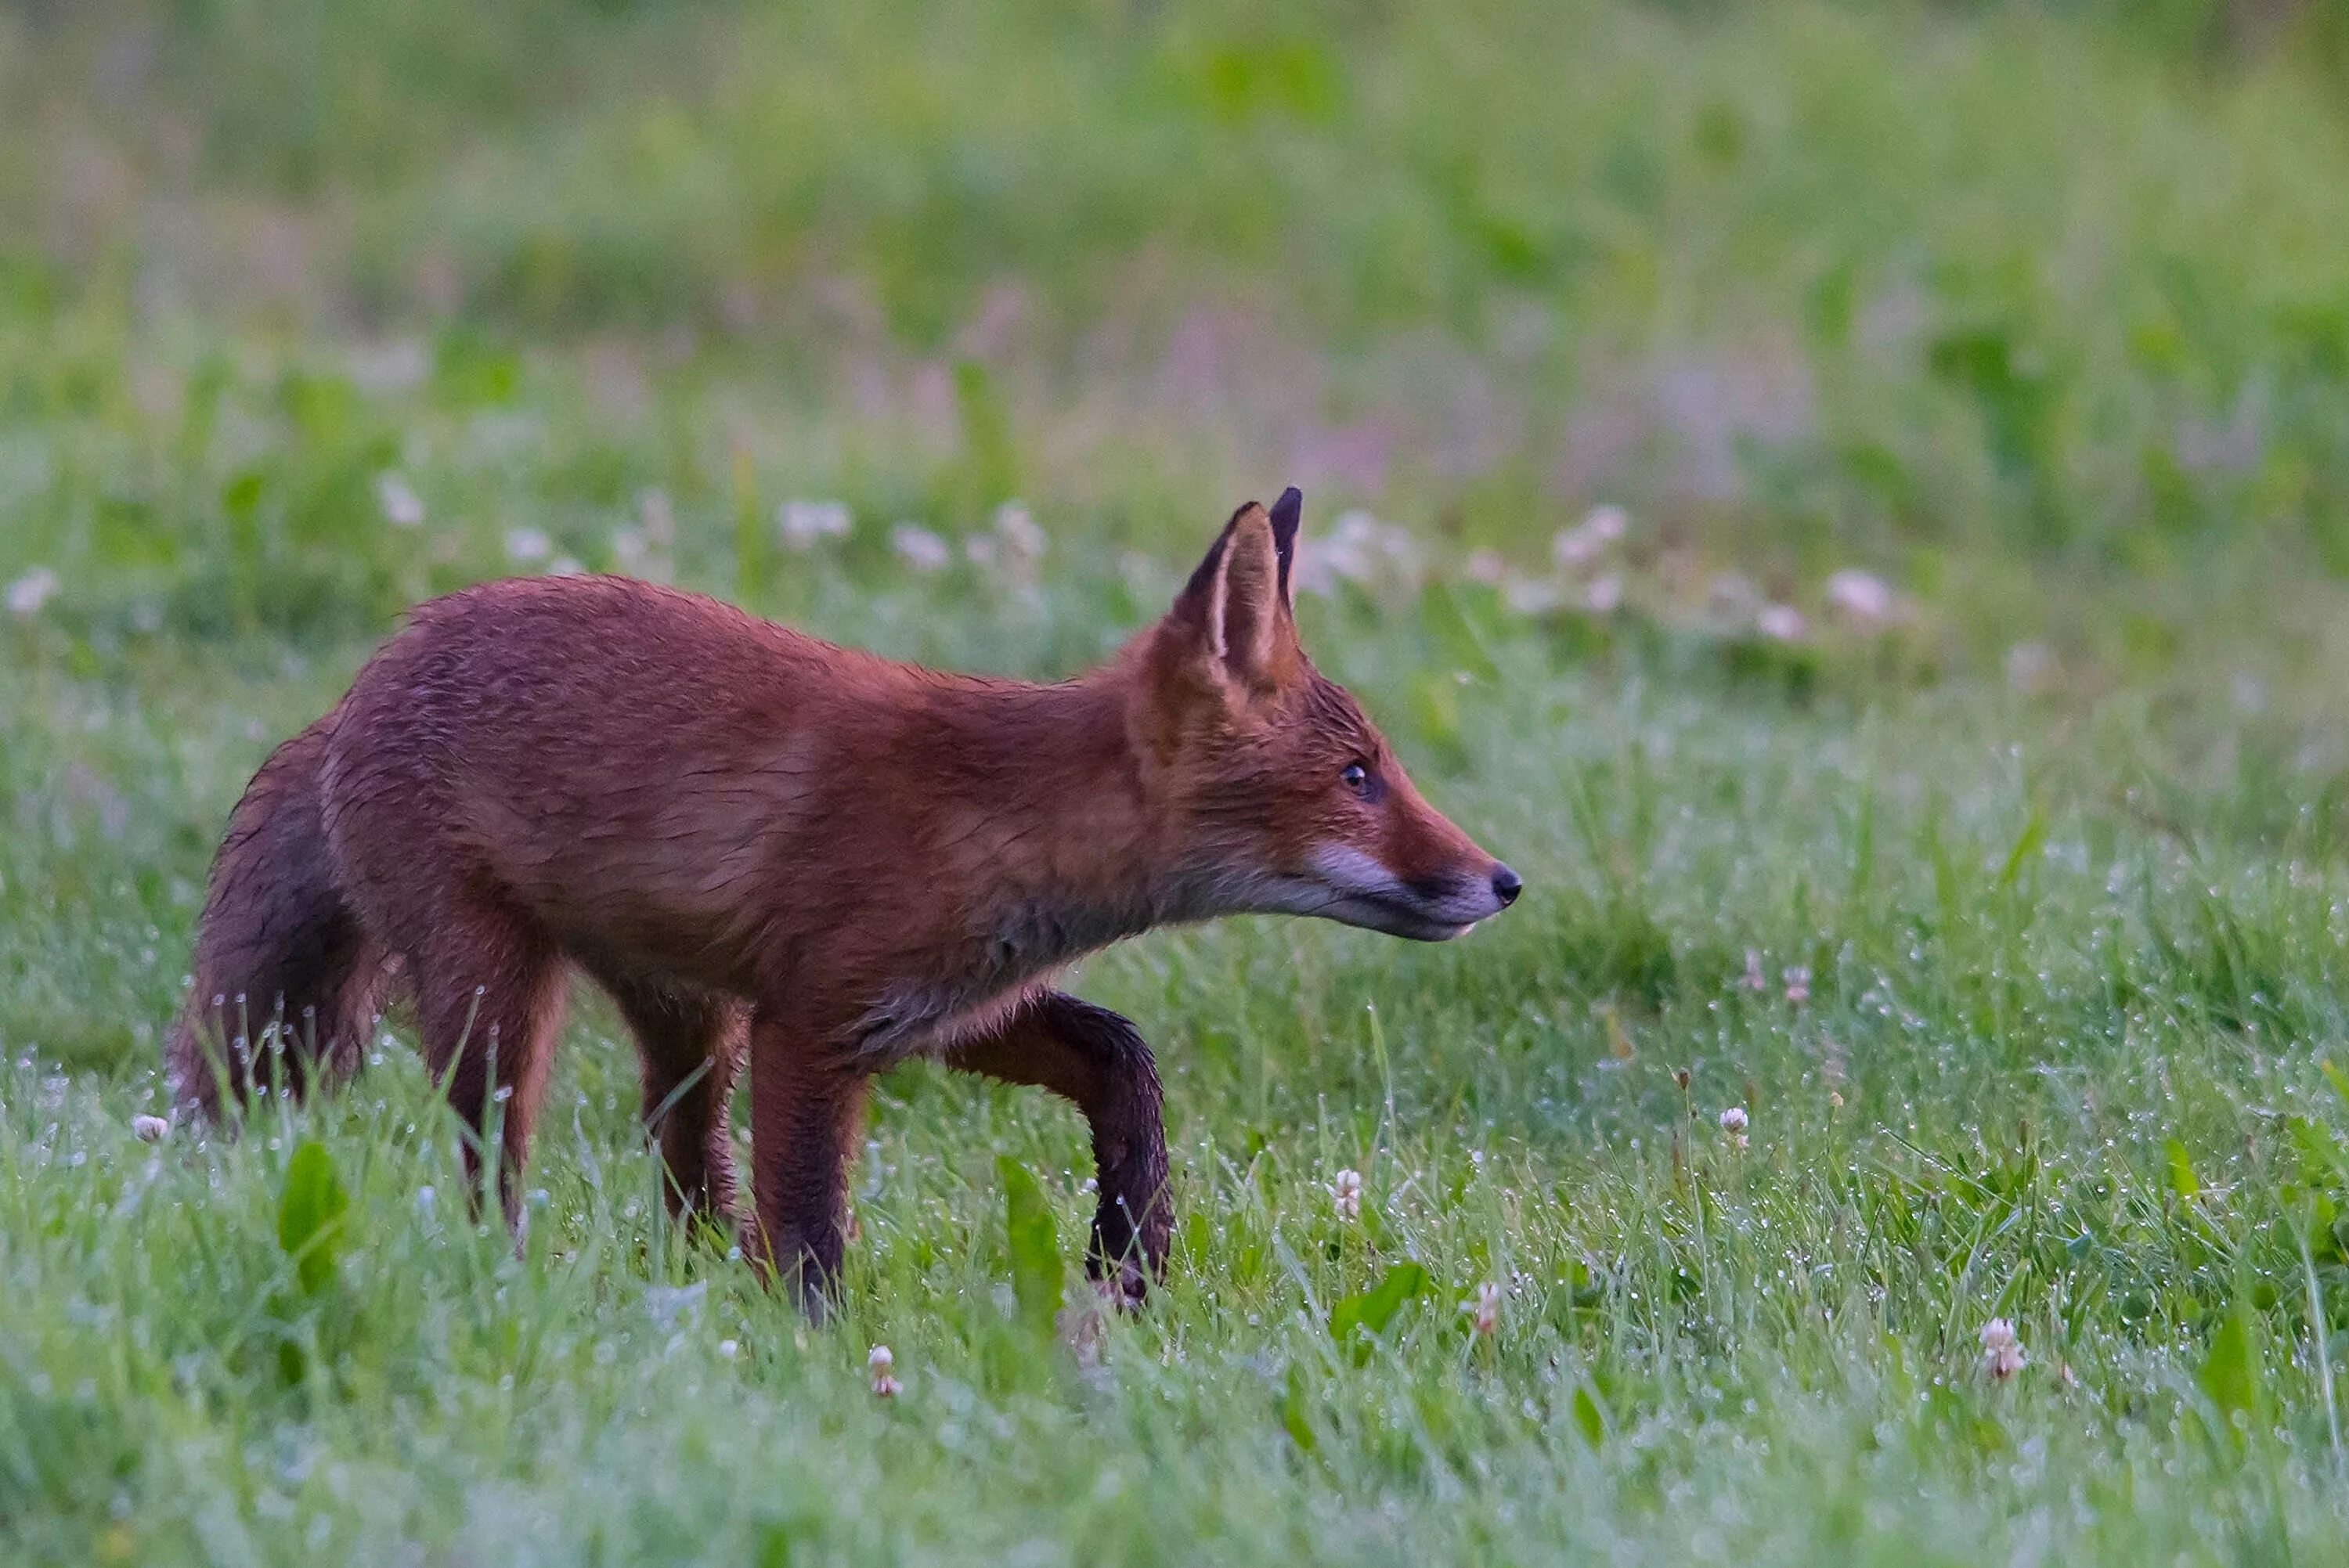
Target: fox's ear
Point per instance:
(1286, 513)
(1235, 609)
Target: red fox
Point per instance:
(771, 849)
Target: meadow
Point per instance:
(1852, 502)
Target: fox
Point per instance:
(776, 853)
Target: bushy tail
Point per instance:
(287, 980)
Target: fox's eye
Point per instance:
(1357, 777)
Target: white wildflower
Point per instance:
(1798, 985)
(528, 544)
(1531, 595)
(1487, 566)
(918, 548)
(1732, 1126)
(1019, 531)
(2003, 1351)
(881, 1364)
(402, 506)
(1755, 980)
(1576, 548)
(2028, 665)
(1861, 596)
(805, 523)
(148, 1129)
(1345, 1195)
(1485, 1311)
(1781, 623)
(565, 566)
(657, 518)
(1605, 595)
(33, 590)
(729, 1349)
(1734, 594)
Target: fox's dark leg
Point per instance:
(692, 1044)
(1098, 1060)
(489, 999)
(807, 1117)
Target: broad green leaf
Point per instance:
(1370, 1312)
(1036, 1271)
(1589, 1417)
(1293, 1408)
(310, 1215)
(2230, 1375)
(2339, 1080)
(2182, 1171)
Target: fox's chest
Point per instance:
(929, 1010)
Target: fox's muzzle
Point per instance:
(1429, 909)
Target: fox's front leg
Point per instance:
(1098, 1060)
(807, 1120)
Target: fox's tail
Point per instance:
(287, 981)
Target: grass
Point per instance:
(2013, 923)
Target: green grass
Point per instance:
(2038, 311)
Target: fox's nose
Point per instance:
(1506, 885)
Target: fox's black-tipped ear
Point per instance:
(1286, 513)
(1234, 611)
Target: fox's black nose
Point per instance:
(1506, 885)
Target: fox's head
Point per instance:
(1288, 799)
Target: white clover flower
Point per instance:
(1781, 623)
(1487, 566)
(879, 1362)
(528, 544)
(1798, 985)
(919, 548)
(1732, 593)
(1346, 1194)
(729, 1349)
(1605, 595)
(148, 1129)
(1755, 980)
(398, 500)
(33, 590)
(1485, 1311)
(657, 518)
(1576, 547)
(1863, 596)
(401, 507)
(1531, 595)
(1019, 531)
(2003, 1351)
(1732, 1126)
(804, 522)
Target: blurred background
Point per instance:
(1809, 351)
(2030, 318)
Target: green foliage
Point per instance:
(2015, 924)
(1034, 1241)
(310, 1216)
(1356, 1319)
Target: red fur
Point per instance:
(760, 843)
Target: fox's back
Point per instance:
(621, 759)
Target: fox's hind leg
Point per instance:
(807, 1120)
(692, 1044)
(489, 1004)
(1099, 1061)
(287, 979)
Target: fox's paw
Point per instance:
(1124, 1287)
